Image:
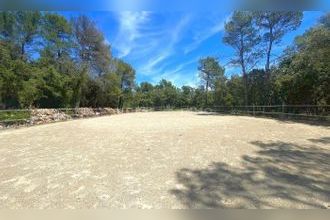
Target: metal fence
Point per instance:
(305, 112)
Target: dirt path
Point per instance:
(166, 160)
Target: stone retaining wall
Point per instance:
(44, 116)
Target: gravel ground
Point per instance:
(166, 160)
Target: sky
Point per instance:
(168, 45)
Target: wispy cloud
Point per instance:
(205, 33)
(159, 44)
(130, 24)
(180, 75)
(165, 47)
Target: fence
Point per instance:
(306, 112)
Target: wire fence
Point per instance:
(305, 112)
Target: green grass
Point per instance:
(14, 115)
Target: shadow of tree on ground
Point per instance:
(323, 140)
(280, 175)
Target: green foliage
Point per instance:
(242, 35)
(303, 76)
(91, 46)
(72, 66)
(19, 28)
(144, 95)
(211, 74)
(14, 115)
(57, 34)
(275, 24)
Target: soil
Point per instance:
(166, 160)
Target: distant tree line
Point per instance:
(299, 76)
(49, 61)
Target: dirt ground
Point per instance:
(166, 160)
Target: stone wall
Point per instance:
(44, 116)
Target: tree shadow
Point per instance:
(323, 140)
(280, 175)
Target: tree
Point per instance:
(126, 74)
(186, 96)
(144, 95)
(210, 72)
(275, 24)
(303, 75)
(57, 34)
(20, 28)
(236, 92)
(165, 94)
(258, 87)
(243, 37)
(325, 20)
(91, 47)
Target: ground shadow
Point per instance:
(280, 175)
(323, 140)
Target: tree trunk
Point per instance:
(269, 50)
(244, 71)
(245, 89)
(22, 50)
(267, 67)
(206, 89)
(245, 82)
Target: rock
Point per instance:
(112, 111)
(42, 116)
(85, 112)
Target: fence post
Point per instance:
(253, 110)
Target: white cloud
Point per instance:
(179, 75)
(165, 47)
(202, 35)
(155, 44)
(130, 24)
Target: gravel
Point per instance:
(166, 160)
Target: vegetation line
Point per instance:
(49, 61)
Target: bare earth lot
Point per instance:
(166, 160)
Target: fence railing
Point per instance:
(307, 112)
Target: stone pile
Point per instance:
(84, 112)
(111, 111)
(43, 116)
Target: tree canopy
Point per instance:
(49, 61)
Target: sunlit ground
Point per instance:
(166, 160)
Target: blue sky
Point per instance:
(168, 45)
